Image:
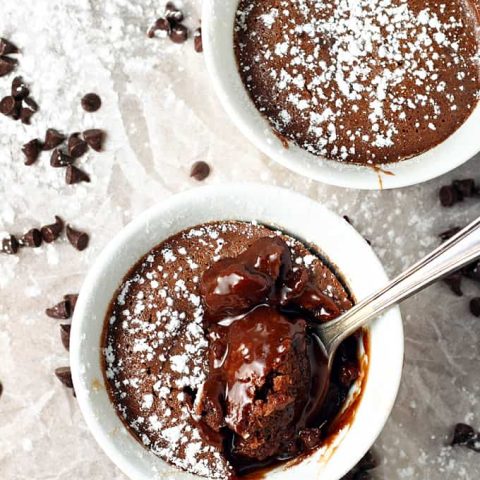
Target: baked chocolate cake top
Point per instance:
(157, 347)
(365, 81)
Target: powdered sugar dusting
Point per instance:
(348, 79)
(156, 349)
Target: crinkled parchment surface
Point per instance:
(161, 115)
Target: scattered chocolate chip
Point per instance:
(91, 102)
(368, 462)
(53, 138)
(32, 150)
(10, 245)
(1, 389)
(7, 47)
(30, 102)
(363, 467)
(472, 271)
(179, 33)
(197, 40)
(72, 299)
(60, 159)
(65, 376)
(7, 65)
(475, 306)
(7, 106)
(462, 434)
(25, 115)
(78, 239)
(76, 146)
(466, 187)
(173, 13)
(53, 231)
(362, 475)
(449, 196)
(161, 24)
(447, 234)
(19, 89)
(94, 138)
(200, 171)
(65, 335)
(75, 175)
(454, 281)
(33, 238)
(60, 311)
(16, 114)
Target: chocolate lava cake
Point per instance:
(209, 358)
(367, 82)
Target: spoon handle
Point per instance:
(458, 251)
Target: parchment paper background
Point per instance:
(161, 115)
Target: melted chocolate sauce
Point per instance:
(268, 396)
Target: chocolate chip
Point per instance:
(65, 376)
(197, 40)
(30, 102)
(449, 196)
(200, 171)
(1, 389)
(32, 150)
(475, 306)
(466, 187)
(362, 475)
(472, 271)
(173, 13)
(447, 234)
(94, 138)
(19, 89)
(65, 335)
(16, 114)
(462, 434)
(454, 281)
(77, 238)
(60, 311)
(347, 219)
(33, 238)
(53, 138)
(60, 159)
(7, 65)
(7, 47)
(10, 245)
(51, 232)
(91, 102)
(76, 146)
(179, 33)
(72, 299)
(7, 106)
(75, 175)
(368, 462)
(161, 24)
(25, 115)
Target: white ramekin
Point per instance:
(291, 212)
(217, 30)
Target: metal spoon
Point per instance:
(458, 251)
